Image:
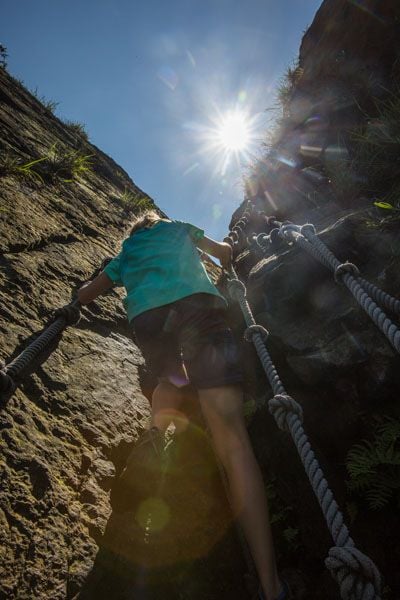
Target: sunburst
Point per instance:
(233, 132)
(232, 139)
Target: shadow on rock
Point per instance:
(171, 534)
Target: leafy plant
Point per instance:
(67, 165)
(280, 516)
(385, 205)
(374, 467)
(13, 166)
(291, 536)
(129, 197)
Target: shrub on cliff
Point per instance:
(287, 85)
(3, 56)
(377, 151)
(365, 159)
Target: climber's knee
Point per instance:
(166, 402)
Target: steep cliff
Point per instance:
(331, 162)
(66, 530)
(67, 429)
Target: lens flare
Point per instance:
(153, 514)
(233, 132)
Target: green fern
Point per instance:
(374, 467)
(282, 519)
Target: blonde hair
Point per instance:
(145, 219)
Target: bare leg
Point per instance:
(165, 404)
(222, 407)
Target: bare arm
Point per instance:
(90, 290)
(220, 250)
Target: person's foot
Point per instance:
(139, 478)
(145, 455)
(150, 438)
(285, 592)
(283, 595)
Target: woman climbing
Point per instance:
(178, 317)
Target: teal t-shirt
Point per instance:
(159, 265)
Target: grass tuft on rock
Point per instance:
(287, 86)
(64, 165)
(132, 201)
(10, 165)
(56, 165)
(377, 151)
(49, 105)
(77, 129)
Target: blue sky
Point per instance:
(148, 78)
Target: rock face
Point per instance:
(67, 419)
(330, 356)
(68, 428)
(333, 104)
(67, 527)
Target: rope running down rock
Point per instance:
(67, 315)
(358, 577)
(356, 574)
(306, 237)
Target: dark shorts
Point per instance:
(189, 341)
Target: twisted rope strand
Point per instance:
(348, 274)
(20, 362)
(330, 509)
(383, 298)
(381, 320)
(66, 315)
(358, 579)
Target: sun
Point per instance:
(229, 141)
(233, 132)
